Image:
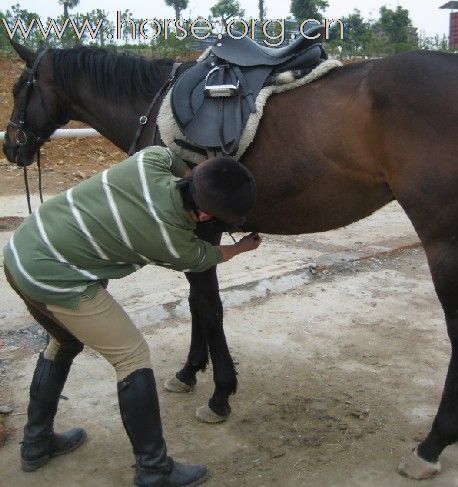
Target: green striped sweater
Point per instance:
(106, 228)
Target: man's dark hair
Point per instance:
(221, 187)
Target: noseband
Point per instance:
(24, 135)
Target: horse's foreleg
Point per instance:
(206, 307)
(207, 333)
(185, 379)
(424, 461)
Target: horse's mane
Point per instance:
(108, 73)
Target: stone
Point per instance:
(5, 409)
(10, 348)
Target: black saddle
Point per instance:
(213, 99)
(245, 52)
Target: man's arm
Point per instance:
(247, 243)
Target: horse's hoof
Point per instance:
(175, 385)
(414, 467)
(206, 415)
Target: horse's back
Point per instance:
(424, 83)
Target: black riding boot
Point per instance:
(139, 407)
(40, 443)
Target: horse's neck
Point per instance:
(116, 120)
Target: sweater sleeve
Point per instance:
(164, 160)
(196, 255)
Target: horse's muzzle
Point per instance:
(16, 154)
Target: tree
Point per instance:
(308, 9)
(178, 5)
(262, 9)
(4, 39)
(396, 26)
(99, 30)
(24, 21)
(225, 9)
(435, 43)
(357, 35)
(68, 5)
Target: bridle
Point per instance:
(24, 135)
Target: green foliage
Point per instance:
(225, 9)
(32, 37)
(434, 43)
(105, 34)
(4, 39)
(358, 36)
(391, 33)
(308, 9)
(171, 47)
(396, 29)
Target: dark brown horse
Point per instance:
(326, 154)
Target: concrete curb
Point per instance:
(238, 295)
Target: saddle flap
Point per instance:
(210, 121)
(185, 90)
(224, 124)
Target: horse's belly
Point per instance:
(318, 208)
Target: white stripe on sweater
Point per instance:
(117, 217)
(58, 255)
(149, 202)
(83, 227)
(39, 284)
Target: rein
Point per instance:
(143, 120)
(25, 135)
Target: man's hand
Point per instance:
(249, 242)
(245, 244)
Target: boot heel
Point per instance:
(32, 465)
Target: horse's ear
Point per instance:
(42, 46)
(25, 54)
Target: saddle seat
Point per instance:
(212, 100)
(246, 52)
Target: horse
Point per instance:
(325, 155)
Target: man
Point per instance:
(142, 210)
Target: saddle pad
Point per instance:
(170, 131)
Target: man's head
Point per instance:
(224, 189)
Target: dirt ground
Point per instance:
(337, 380)
(339, 376)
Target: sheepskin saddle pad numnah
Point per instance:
(188, 149)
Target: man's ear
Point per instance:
(204, 217)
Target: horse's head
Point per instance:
(37, 110)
